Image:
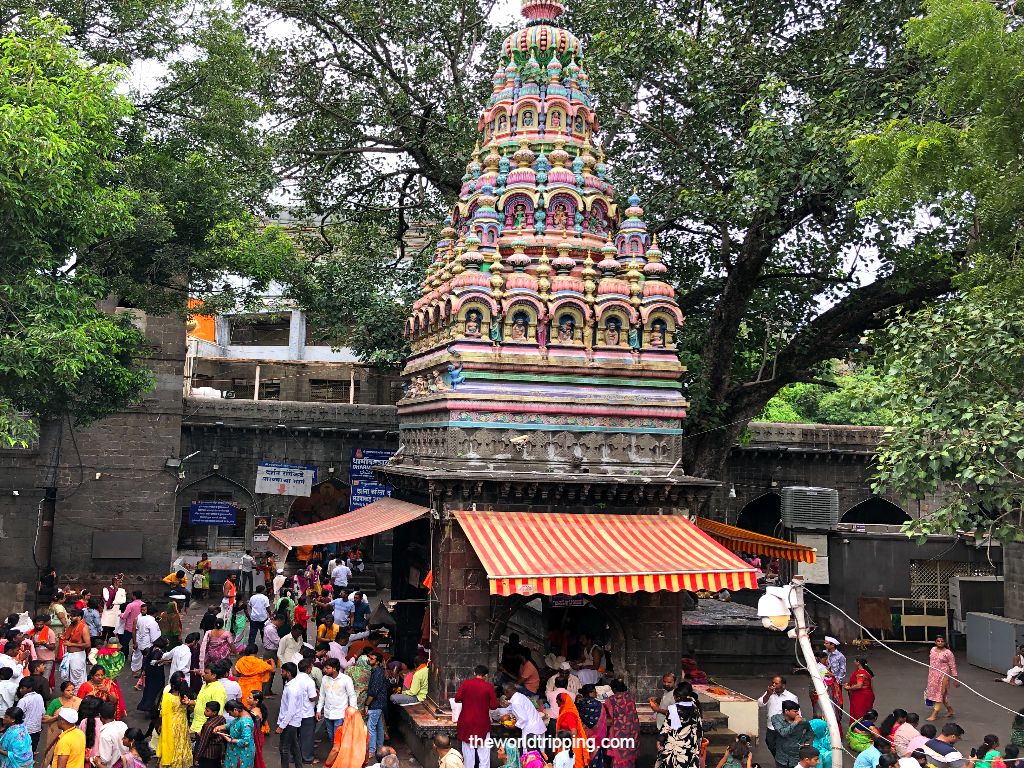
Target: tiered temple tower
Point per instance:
(544, 375)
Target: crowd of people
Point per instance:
(203, 695)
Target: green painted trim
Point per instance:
(556, 379)
(541, 427)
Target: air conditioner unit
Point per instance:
(811, 509)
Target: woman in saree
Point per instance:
(620, 723)
(174, 748)
(862, 733)
(170, 623)
(679, 740)
(252, 672)
(239, 627)
(99, 686)
(15, 744)
(205, 567)
(589, 708)
(569, 720)
(360, 674)
(111, 658)
(822, 741)
(67, 698)
(261, 725)
(217, 645)
(862, 694)
(241, 752)
(286, 604)
(351, 741)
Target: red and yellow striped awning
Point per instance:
(527, 553)
(752, 543)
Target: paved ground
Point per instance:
(900, 683)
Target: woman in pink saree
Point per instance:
(217, 645)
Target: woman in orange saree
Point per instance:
(102, 688)
(251, 672)
(350, 742)
(569, 720)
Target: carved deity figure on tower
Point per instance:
(473, 319)
(519, 216)
(560, 216)
(612, 333)
(566, 329)
(657, 339)
(520, 326)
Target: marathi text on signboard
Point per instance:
(212, 513)
(365, 487)
(285, 479)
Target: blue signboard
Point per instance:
(365, 488)
(212, 513)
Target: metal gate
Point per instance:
(915, 620)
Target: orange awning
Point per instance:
(755, 543)
(528, 553)
(381, 515)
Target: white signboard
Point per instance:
(285, 479)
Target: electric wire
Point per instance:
(908, 658)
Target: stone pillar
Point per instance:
(1013, 581)
(460, 623)
(297, 335)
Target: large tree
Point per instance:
(150, 197)
(734, 118)
(956, 378)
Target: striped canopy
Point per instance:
(742, 540)
(381, 515)
(528, 553)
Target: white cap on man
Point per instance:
(68, 715)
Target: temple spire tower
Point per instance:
(543, 342)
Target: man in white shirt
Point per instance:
(111, 733)
(259, 612)
(232, 690)
(31, 704)
(772, 701)
(289, 717)
(290, 647)
(336, 695)
(180, 658)
(528, 719)
(8, 689)
(147, 630)
(308, 724)
(340, 575)
(248, 563)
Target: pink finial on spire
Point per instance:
(543, 10)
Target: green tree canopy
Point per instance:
(954, 370)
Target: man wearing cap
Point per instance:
(772, 701)
(836, 660)
(69, 750)
(564, 679)
(791, 733)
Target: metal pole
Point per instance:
(803, 638)
(256, 388)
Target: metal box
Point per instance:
(810, 509)
(993, 640)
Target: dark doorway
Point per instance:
(876, 510)
(762, 515)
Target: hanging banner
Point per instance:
(285, 479)
(212, 513)
(365, 488)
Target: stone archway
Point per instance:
(762, 515)
(876, 510)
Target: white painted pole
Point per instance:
(803, 638)
(256, 389)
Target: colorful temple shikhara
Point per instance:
(545, 332)
(542, 422)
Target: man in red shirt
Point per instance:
(302, 616)
(478, 698)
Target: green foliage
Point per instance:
(58, 132)
(955, 375)
(853, 397)
(957, 156)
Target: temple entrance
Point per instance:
(762, 515)
(876, 510)
(550, 627)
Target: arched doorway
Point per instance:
(762, 515)
(876, 510)
(552, 625)
(326, 500)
